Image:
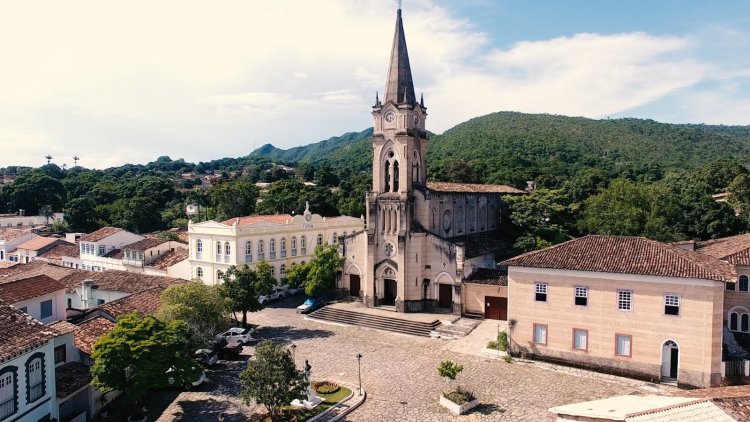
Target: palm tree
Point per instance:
(48, 157)
(75, 160)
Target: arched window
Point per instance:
(219, 275)
(248, 251)
(218, 248)
(272, 248)
(294, 246)
(282, 270)
(395, 176)
(334, 238)
(303, 245)
(35, 381)
(260, 250)
(744, 323)
(273, 271)
(319, 240)
(227, 248)
(387, 172)
(733, 321)
(199, 273)
(743, 283)
(8, 390)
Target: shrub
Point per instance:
(326, 387)
(500, 344)
(507, 358)
(449, 369)
(460, 396)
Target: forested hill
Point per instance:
(508, 147)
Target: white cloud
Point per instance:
(114, 83)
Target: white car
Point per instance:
(276, 294)
(188, 385)
(238, 335)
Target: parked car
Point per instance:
(187, 385)
(311, 304)
(238, 335)
(225, 350)
(206, 357)
(276, 294)
(293, 291)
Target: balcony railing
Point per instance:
(248, 258)
(8, 408)
(35, 392)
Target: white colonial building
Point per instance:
(282, 240)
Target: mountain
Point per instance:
(509, 147)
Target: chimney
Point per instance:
(86, 286)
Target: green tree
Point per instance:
(235, 199)
(141, 215)
(202, 307)
(271, 379)
(621, 209)
(135, 356)
(243, 286)
(80, 214)
(321, 275)
(544, 218)
(34, 190)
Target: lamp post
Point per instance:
(294, 358)
(359, 370)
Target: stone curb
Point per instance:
(334, 407)
(352, 407)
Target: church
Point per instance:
(422, 239)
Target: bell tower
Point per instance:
(399, 146)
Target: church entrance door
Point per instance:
(389, 292)
(445, 295)
(353, 285)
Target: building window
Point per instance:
(219, 275)
(730, 286)
(540, 333)
(273, 271)
(294, 246)
(260, 250)
(272, 248)
(23, 309)
(580, 339)
(35, 377)
(334, 239)
(70, 303)
(227, 248)
(303, 245)
(282, 270)
(60, 354)
(733, 321)
(282, 247)
(218, 248)
(582, 296)
(623, 345)
(248, 251)
(625, 300)
(671, 305)
(199, 246)
(102, 250)
(199, 273)
(46, 309)
(744, 323)
(100, 301)
(541, 292)
(319, 240)
(743, 283)
(7, 392)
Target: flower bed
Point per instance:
(326, 387)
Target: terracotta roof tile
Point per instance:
(254, 219)
(63, 327)
(70, 378)
(7, 234)
(7, 264)
(20, 333)
(61, 250)
(169, 258)
(119, 281)
(146, 302)
(115, 254)
(709, 393)
(28, 288)
(100, 234)
(734, 249)
(90, 331)
(472, 188)
(145, 244)
(626, 255)
(736, 407)
(37, 243)
(35, 268)
(488, 276)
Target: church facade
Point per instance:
(422, 239)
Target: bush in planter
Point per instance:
(449, 369)
(460, 396)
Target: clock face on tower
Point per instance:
(390, 117)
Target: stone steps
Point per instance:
(459, 328)
(379, 322)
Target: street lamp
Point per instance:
(294, 358)
(359, 369)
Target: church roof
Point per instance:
(399, 87)
(472, 188)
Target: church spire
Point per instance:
(399, 87)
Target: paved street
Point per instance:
(400, 374)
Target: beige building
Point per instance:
(625, 305)
(422, 238)
(281, 240)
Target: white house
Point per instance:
(27, 368)
(282, 240)
(31, 249)
(94, 249)
(41, 297)
(10, 238)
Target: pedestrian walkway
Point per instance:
(343, 407)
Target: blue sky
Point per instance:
(116, 83)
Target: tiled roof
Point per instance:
(6, 264)
(7, 234)
(70, 378)
(626, 255)
(734, 249)
(696, 411)
(169, 258)
(20, 333)
(145, 244)
(90, 331)
(63, 327)
(119, 281)
(35, 268)
(115, 254)
(37, 243)
(61, 250)
(736, 407)
(146, 302)
(253, 219)
(28, 288)
(488, 276)
(708, 393)
(471, 188)
(100, 234)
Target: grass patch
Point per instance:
(294, 414)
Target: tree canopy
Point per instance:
(244, 285)
(202, 307)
